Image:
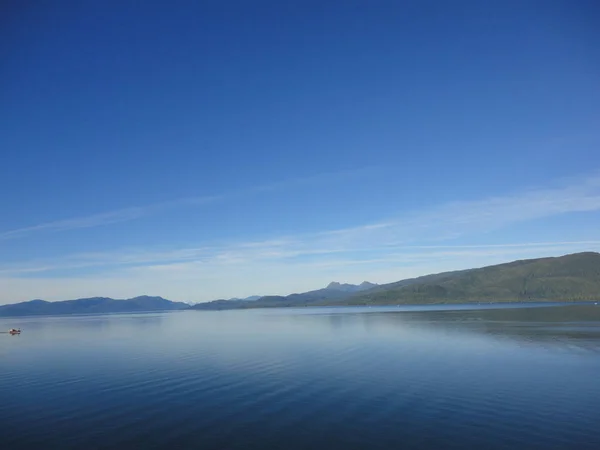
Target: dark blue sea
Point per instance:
(307, 378)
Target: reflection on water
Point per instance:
(408, 377)
(557, 326)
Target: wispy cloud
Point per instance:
(429, 226)
(413, 244)
(137, 212)
(107, 218)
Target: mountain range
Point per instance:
(574, 277)
(334, 291)
(92, 305)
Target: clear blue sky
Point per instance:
(199, 150)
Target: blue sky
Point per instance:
(202, 150)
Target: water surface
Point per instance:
(308, 378)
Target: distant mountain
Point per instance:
(90, 306)
(334, 291)
(246, 299)
(218, 305)
(334, 285)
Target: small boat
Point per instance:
(14, 331)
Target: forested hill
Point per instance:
(574, 277)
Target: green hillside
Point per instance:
(573, 277)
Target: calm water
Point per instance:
(304, 379)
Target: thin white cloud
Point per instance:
(107, 218)
(79, 222)
(137, 212)
(414, 244)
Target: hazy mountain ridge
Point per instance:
(245, 299)
(345, 287)
(333, 291)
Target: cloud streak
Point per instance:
(413, 244)
(433, 225)
(137, 212)
(107, 218)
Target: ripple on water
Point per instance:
(298, 380)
